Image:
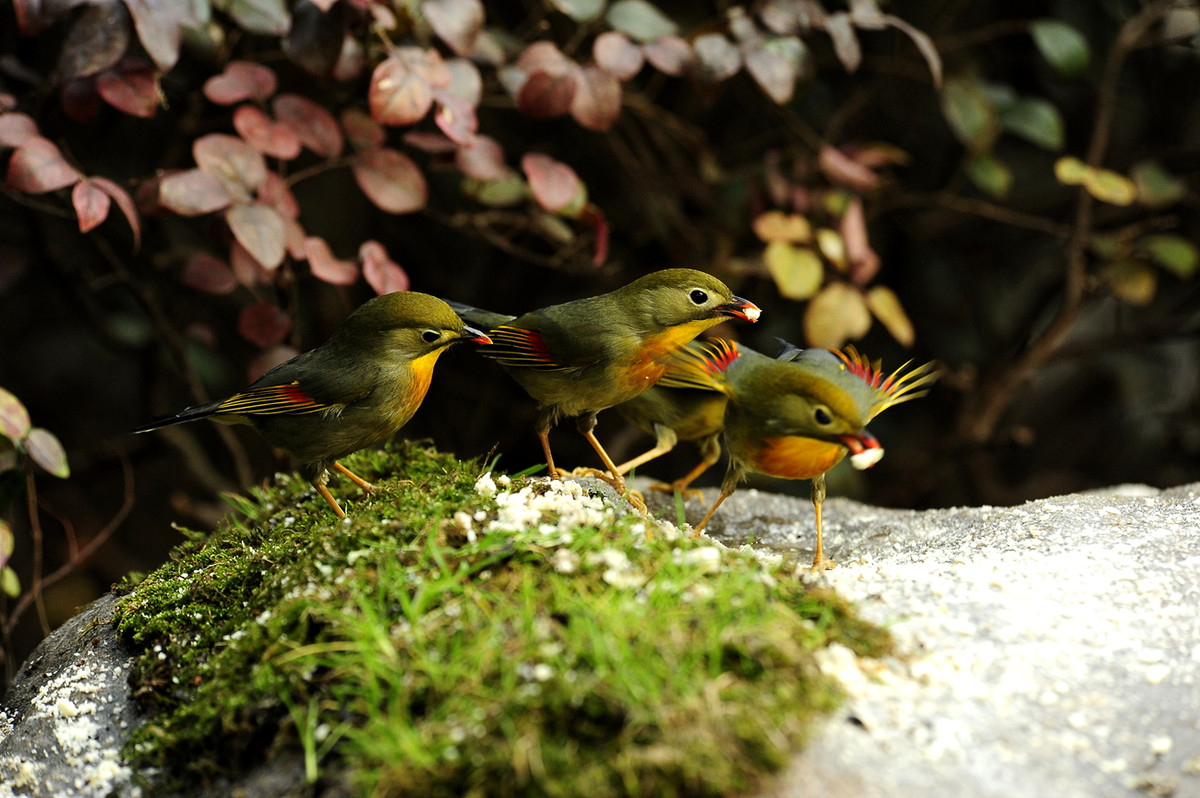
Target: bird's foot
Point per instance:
(673, 487)
(822, 564)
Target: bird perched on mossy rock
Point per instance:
(353, 391)
(581, 357)
(798, 415)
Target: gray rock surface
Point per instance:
(1051, 649)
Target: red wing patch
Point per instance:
(516, 346)
(269, 400)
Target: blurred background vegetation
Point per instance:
(197, 190)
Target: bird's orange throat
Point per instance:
(657, 350)
(794, 457)
(422, 375)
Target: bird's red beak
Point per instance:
(740, 309)
(865, 450)
(475, 336)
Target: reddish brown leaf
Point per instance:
(315, 39)
(670, 55)
(325, 266)
(275, 193)
(597, 101)
(483, 159)
(391, 180)
(14, 418)
(617, 55)
(91, 204)
(544, 56)
(16, 129)
(132, 87)
(315, 126)
(456, 118)
(430, 141)
(553, 183)
(845, 171)
(241, 80)
(263, 324)
(863, 260)
(7, 102)
(381, 272)
(401, 90)
(97, 40)
(264, 134)
(79, 99)
(268, 360)
(239, 166)
(294, 238)
(363, 132)
(209, 274)
(260, 230)
(456, 22)
(125, 203)
(193, 192)
(544, 96)
(38, 167)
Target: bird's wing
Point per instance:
(522, 348)
(701, 365)
(270, 400)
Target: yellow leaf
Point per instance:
(779, 226)
(886, 306)
(1108, 186)
(797, 271)
(833, 247)
(836, 315)
(1070, 171)
(1131, 281)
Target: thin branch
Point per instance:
(35, 526)
(977, 207)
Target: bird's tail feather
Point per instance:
(898, 387)
(485, 320)
(183, 416)
(701, 365)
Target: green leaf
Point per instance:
(1156, 187)
(1036, 120)
(797, 271)
(46, 450)
(640, 20)
(970, 114)
(990, 174)
(265, 17)
(14, 418)
(580, 10)
(7, 542)
(9, 582)
(1131, 281)
(1172, 252)
(1062, 45)
(504, 192)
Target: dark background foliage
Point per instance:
(1064, 314)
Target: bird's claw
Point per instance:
(671, 487)
(822, 564)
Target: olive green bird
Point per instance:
(581, 357)
(796, 416)
(353, 391)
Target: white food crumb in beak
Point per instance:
(865, 459)
(753, 313)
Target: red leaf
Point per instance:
(79, 99)
(238, 165)
(38, 167)
(670, 55)
(193, 192)
(325, 266)
(132, 87)
(263, 324)
(845, 171)
(315, 126)
(617, 55)
(264, 134)
(544, 96)
(241, 80)
(456, 118)
(483, 159)
(16, 129)
(275, 192)
(553, 183)
(363, 132)
(91, 204)
(391, 180)
(456, 22)
(402, 85)
(125, 203)
(381, 272)
(597, 101)
(595, 217)
(260, 230)
(209, 274)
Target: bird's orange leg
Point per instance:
(319, 482)
(696, 530)
(544, 437)
(367, 487)
(818, 498)
(617, 480)
(642, 459)
(681, 485)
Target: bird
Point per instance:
(580, 357)
(353, 391)
(797, 415)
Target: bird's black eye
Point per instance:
(430, 336)
(822, 417)
(698, 296)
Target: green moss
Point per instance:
(405, 653)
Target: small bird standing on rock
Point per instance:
(796, 416)
(580, 357)
(353, 391)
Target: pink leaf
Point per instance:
(239, 166)
(264, 134)
(617, 55)
(544, 56)
(670, 55)
(391, 180)
(315, 126)
(209, 274)
(456, 118)
(263, 324)
(456, 22)
(545, 96)
(260, 230)
(401, 90)
(159, 25)
(132, 87)
(597, 101)
(325, 266)
(125, 203)
(275, 193)
(193, 192)
(381, 272)
(91, 204)
(864, 261)
(14, 418)
(553, 183)
(846, 171)
(45, 449)
(241, 80)
(16, 129)
(38, 167)
(483, 159)
(430, 141)
(363, 132)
